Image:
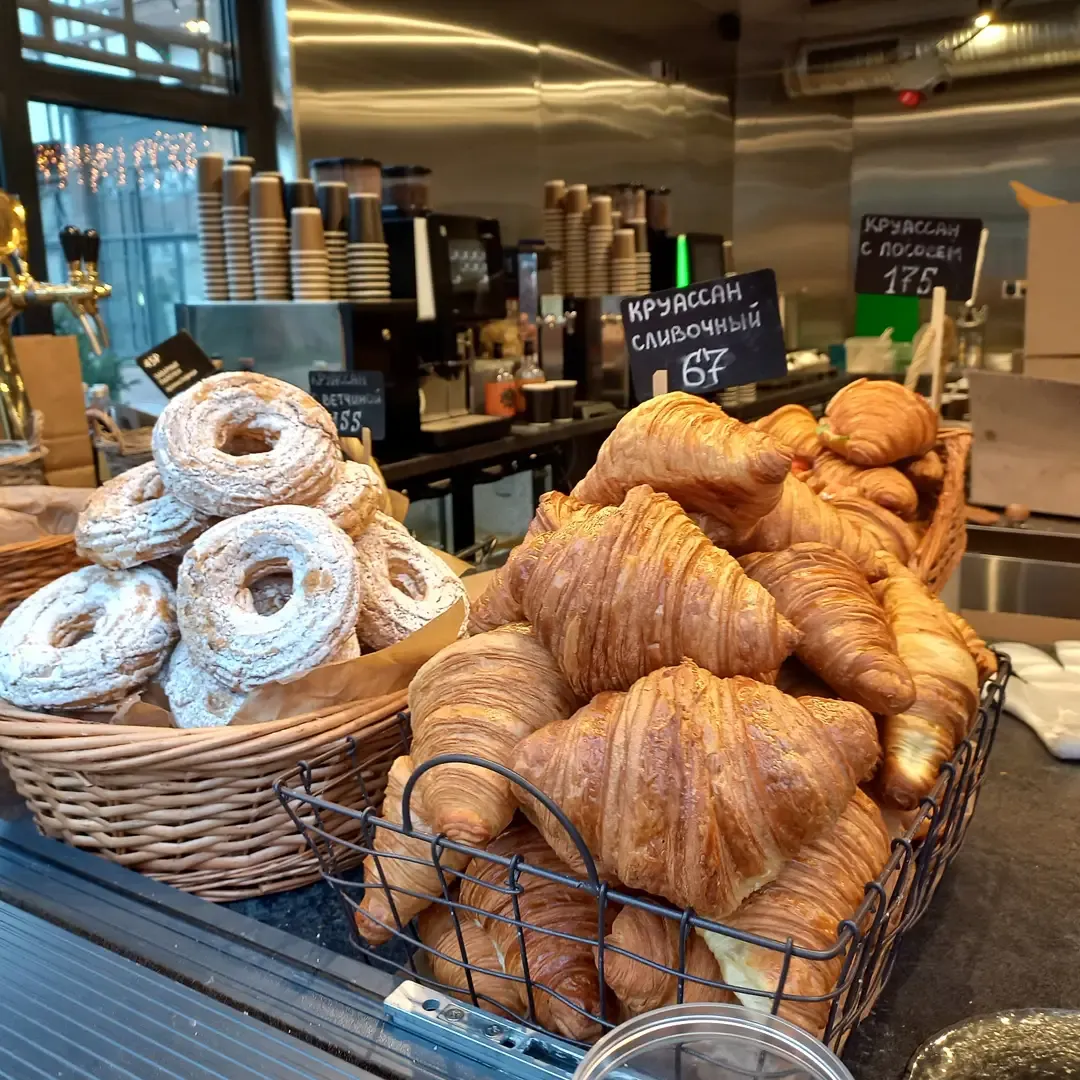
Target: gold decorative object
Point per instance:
(18, 290)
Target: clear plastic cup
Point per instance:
(710, 1042)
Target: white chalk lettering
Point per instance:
(634, 311)
(679, 304)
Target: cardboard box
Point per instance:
(53, 378)
(1052, 319)
(1062, 368)
(1027, 442)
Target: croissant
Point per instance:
(798, 681)
(438, 933)
(691, 449)
(877, 423)
(927, 473)
(556, 964)
(891, 534)
(641, 988)
(481, 696)
(694, 788)
(801, 516)
(792, 426)
(846, 638)
(412, 878)
(985, 661)
(884, 485)
(820, 888)
(634, 587)
(495, 606)
(918, 740)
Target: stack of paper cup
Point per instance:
(269, 237)
(369, 256)
(334, 204)
(623, 264)
(236, 193)
(310, 268)
(208, 171)
(575, 244)
(601, 234)
(555, 232)
(643, 259)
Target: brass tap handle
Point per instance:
(91, 248)
(71, 242)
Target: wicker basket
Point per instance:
(122, 450)
(945, 541)
(23, 463)
(196, 808)
(25, 568)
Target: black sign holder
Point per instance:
(355, 399)
(176, 364)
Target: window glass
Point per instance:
(177, 42)
(132, 179)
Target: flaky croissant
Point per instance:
(691, 449)
(802, 516)
(641, 988)
(918, 740)
(694, 788)
(412, 878)
(821, 887)
(792, 426)
(985, 661)
(892, 535)
(846, 638)
(878, 423)
(481, 696)
(927, 473)
(884, 485)
(637, 586)
(437, 931)
(496, 606)
(555, 963)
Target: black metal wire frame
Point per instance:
(866, 942)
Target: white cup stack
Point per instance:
(269, 238)
(307, 259)
(235, 215)
(368, 253)
(209, 169)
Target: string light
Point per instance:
(157, 161)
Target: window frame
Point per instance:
(248, 108)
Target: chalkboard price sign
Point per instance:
(355, 399)
(910, 256)
(176, 364)
(707, 336)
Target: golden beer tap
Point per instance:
(18, 290)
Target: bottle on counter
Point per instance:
(500, 394)
(529, 372)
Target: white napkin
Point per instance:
(1044, 692)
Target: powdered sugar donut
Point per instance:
(239, 441)
(226, 636)
(91, 637)
(356, 494)
(403, 585)
(132, 519)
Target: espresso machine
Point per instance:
(451, 266)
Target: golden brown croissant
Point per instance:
(820, 888)
(927, 473)
(877, 423)
(495, 606)
(801, 516)
(892, 535)
(634, 587)
(846, 638)
(792, 426)
(985, 661)
(641, 988)
(692, 450)
(413, 873)
(917, 741)
(695, 788)
(884, 485)
(481, 696)
(555, 964)
(437, 931)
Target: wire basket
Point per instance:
(864, 948)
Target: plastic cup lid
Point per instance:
(711, 1042)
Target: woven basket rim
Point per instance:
(42, 543)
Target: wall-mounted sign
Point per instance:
(355, 399)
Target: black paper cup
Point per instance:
(562, 409)
(299, 193)
(539, 402)
(365, 219)
(334, 203)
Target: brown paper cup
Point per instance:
(208, 173)
(267, 202)
(307, 229)
(236, 186)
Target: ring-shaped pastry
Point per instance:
(403, 585)
(132, 520)
(91, 637)
(226, 636)
(351, 502)
(239, 441)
